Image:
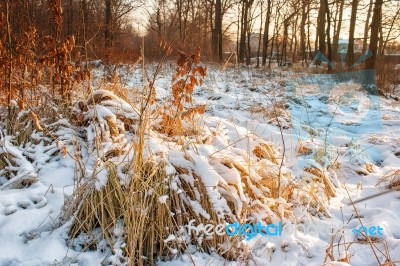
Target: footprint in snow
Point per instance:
(33, 202)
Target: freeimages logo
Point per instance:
(249, 231)
(368, 231)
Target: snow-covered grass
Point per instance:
(271, 146)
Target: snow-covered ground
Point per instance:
(322, 121)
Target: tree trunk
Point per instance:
(284, 42)
(239, 27)
(214, 34)
(335, 44)
(108, 29)
(294, 40)
(85, 17)
(218, 26)
(272, 48)
(9, 69)
(243, 30)
(245, 23)
(308, 31)
(204, 30)
(350, 48)
(328, 30)
(380, 44)
(248, 50)
(212, 27)
(70, 18)
(303, 32)
(366, 27)
(259, 37)
(375, 25)
(266, 33)
(321, 27)
(275, 38)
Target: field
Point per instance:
(116, 177)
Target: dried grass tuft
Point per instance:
(171, 126)
(302, 148)
(278, 111)
(391, 179)
(266, 151)
(92, 208)
(15, 170)
(323, 177)
(148, 222)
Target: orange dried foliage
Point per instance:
(188, 75)
(201, 70)
(171, 125)
(196, 56)
(185, 79)
(56, 57)
(191, 112)
(183, 60)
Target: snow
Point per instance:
(362, 130)
(163, 199)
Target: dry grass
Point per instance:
(172, 125)
(98, 208)
(277, 111)
(14, 167)
(322, 177)
(266, 151)
(6, 164)
(391, 179)
(155, 228)
(147, 221)
(302, 148)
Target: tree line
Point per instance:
(290, 29)
(54, 41)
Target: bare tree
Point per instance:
(108, 24)
(286, 23)
(9, 68)
(303, 31)
(366, 27)
(295, 25)
(328, 33)
(350, 48)
(217, 31)
(337, 28)
(375, 25)
(321, 21)
(259, 35)
(389, 26)
(266, 32)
